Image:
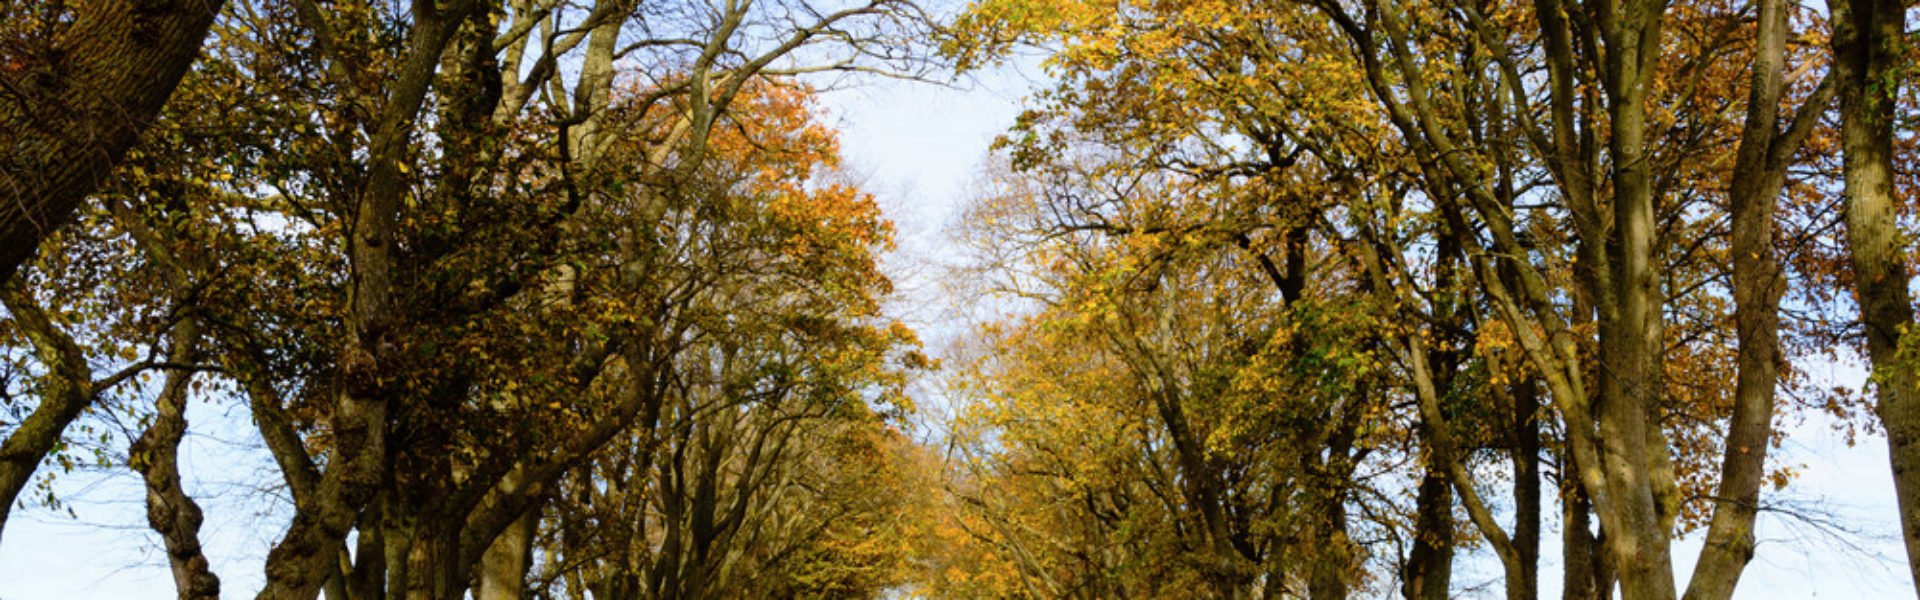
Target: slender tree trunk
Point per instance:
(1429, 569)
(1526, 490)
(171, 513)
(1579, 551)
(67, 393)
(1868, 50)
(81, 102)
(1759, 174)
(1605, 575)
(1636, 509)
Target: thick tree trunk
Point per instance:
(433, 566)
(367, 581)
(1868, 49)
(399, 532)
(503, 569)
(80, 102)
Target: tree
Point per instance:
(1758, 178)
(1168, 396)
(764, 382)
(1477, 141)
(1868, 49)
(410, 150)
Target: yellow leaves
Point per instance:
(988, 28)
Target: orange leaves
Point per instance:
(774, 133)
(833, 218)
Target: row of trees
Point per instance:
(524, 297)
(571, 300)
(1307, 280)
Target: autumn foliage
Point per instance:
(1274, 299)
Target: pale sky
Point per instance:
(921, 146)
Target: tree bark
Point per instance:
(1759, 174)
(1327, 579)
(1526, 490)
(156, 455)
(1576, 552)
(74, 106)
(1868, 47)
(1584, 576)
(503, 569)
(67, 391)
(1429, 569)
(1631, 328)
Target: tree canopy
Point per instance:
(1274, 299)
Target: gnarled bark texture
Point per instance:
(156, 455)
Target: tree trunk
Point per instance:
(433, 566)
(156, 455)
(68, 392)
(503, 569)
(1429, 569)
(1868, 50)
(1759, 174)
(368, 579)
(80, 102)
(1636, 508)
(1526, 490)
(1201, 489)
(1328, 578)
(1579, 551)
